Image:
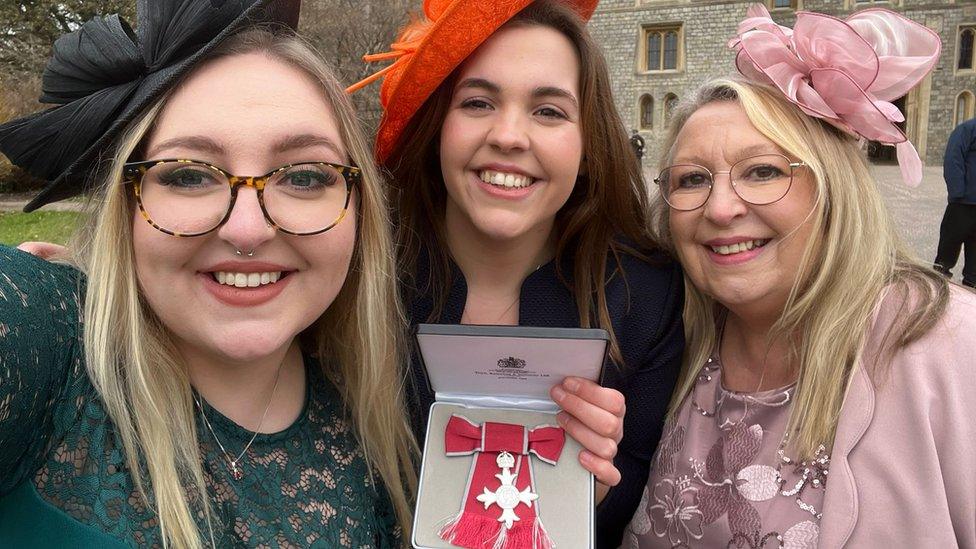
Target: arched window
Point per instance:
(967, 36)
(647, 112)
(662, 48)
(965, 107)
(670, 50)
(670, 102)
(654, 51)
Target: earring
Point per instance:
(248, 254)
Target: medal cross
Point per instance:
(507, 496)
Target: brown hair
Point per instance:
(606, 214)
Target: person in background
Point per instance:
(829, 378)
(518, 202)
(958, 229)
(219, 363)
(637, 142)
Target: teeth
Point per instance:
(247, 280)
(508, 180)
(739, 247)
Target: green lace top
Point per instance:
(63, 476)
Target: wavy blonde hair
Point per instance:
(843, 271)
(145, 385)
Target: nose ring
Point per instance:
(248, 254)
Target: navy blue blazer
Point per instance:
(959, 168)
(645, 305)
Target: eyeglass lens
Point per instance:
(190, 198)
(759, 180)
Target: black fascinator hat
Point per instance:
(104, 74)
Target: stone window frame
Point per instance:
(645, 115)
(854, 4)
(960, 29)
(970, 107)
(662, 28)
(793, 5)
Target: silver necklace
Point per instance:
(234, 463)
(465, 318)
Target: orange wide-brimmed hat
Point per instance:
(429, 49)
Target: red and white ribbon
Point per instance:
(500, 509)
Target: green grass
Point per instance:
(56, 227)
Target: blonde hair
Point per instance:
(145, 385)
(843, 271)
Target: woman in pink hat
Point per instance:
(827, 396)
(519, 202)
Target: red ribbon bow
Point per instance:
(479, 524)
(463, 437)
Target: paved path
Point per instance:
(917, 212)
(15, 202)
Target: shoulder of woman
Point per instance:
(645, 296)
(941, 362)
(641, 266)
(36, 281)
(643, 278)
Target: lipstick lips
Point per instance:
(244, 296)
(735, 258)
(505, 193)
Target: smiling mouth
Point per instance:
(505, 180)
(248, 280)
(739, 247)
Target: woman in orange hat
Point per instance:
(519, 202)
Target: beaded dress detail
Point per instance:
(721, 476)
(306, 486)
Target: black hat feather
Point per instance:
(103, 75)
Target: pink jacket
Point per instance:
(903, 465)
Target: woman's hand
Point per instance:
(43, 250)
(594, 416)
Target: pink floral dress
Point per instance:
(721, 477)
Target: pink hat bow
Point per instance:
(846, 72)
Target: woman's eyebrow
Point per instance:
(205, 144)
(555, 91)
(756, 149)
(541, 91)
(742, 153)
(304, 141)
(195, 142)
(479, 83)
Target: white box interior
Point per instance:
(565, 490)
(503, 374)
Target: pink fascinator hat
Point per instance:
(846, 72)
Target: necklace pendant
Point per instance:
(235, 471)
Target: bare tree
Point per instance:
(29, 27)
(345, 30)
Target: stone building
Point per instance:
(659, 50)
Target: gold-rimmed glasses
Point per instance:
(762, 179)
(190, 198)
